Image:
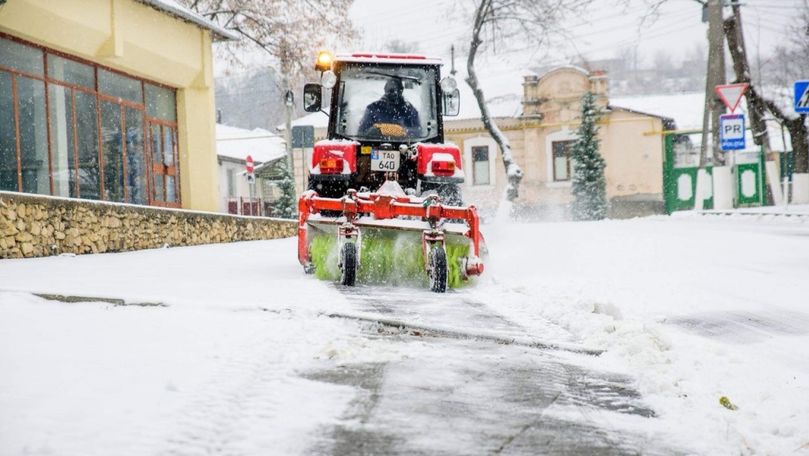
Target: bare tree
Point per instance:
(507, 21)
(738, 53)
(397, 46)
(797, 53)
(291, 33)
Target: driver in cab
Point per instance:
(391, 115)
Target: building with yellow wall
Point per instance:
(109, 100)
(541, 136)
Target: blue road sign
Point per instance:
(802, 97)
(731, 131)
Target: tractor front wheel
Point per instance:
(438, 269)
(348, 264)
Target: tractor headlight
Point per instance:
(448, 84)
(328, 79)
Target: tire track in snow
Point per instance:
(212, 423)
(240, 409)
(458, 310)
(494, 397)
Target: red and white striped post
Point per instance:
(251, 178)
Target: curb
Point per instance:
(758, 215)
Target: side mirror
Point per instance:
(312, 97)
(452, 103)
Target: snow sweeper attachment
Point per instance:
(388, 237)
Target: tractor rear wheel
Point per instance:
(438, 269)
(348, 264)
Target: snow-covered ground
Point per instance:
(694, 308)
(98, 379)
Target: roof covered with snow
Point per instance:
(173, 8)
(238, 143)
(503, 105)
(685, 108)
(541, 73)
(316, 119)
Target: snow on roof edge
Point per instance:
(635, 111)
(183, 13)
(568, 66)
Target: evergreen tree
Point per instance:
(286, 206)
(589, 187)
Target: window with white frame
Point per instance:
(479, 154)
(561, 160)
(480, 165)
(558, 163)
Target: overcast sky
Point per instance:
(436, 24)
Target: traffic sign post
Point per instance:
(303, 138)
(731, 94)
(731, 131)
(251, 180)
(248, 164)
(801, 97)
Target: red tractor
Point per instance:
(384, 164)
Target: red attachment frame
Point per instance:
(388, 207)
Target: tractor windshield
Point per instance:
(388, 103)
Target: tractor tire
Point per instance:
(438, 270)
(348, 264)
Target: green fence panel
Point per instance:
(680, 184)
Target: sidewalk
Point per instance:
(800, 211)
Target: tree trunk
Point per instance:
(800, 143)
(513, 172)
(741, 67)
(758, 105)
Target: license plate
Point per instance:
(384, 160)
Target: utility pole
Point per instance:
(716, 73)
(452, 51)
(289, 102)
(713, 105)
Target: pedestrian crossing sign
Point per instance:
(802, 97)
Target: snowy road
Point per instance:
(456, 395)
(249, 356)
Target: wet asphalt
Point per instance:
(467, 396)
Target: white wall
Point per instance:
(241, 187)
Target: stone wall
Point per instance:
(35, 225)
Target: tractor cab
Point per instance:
(385, 117)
